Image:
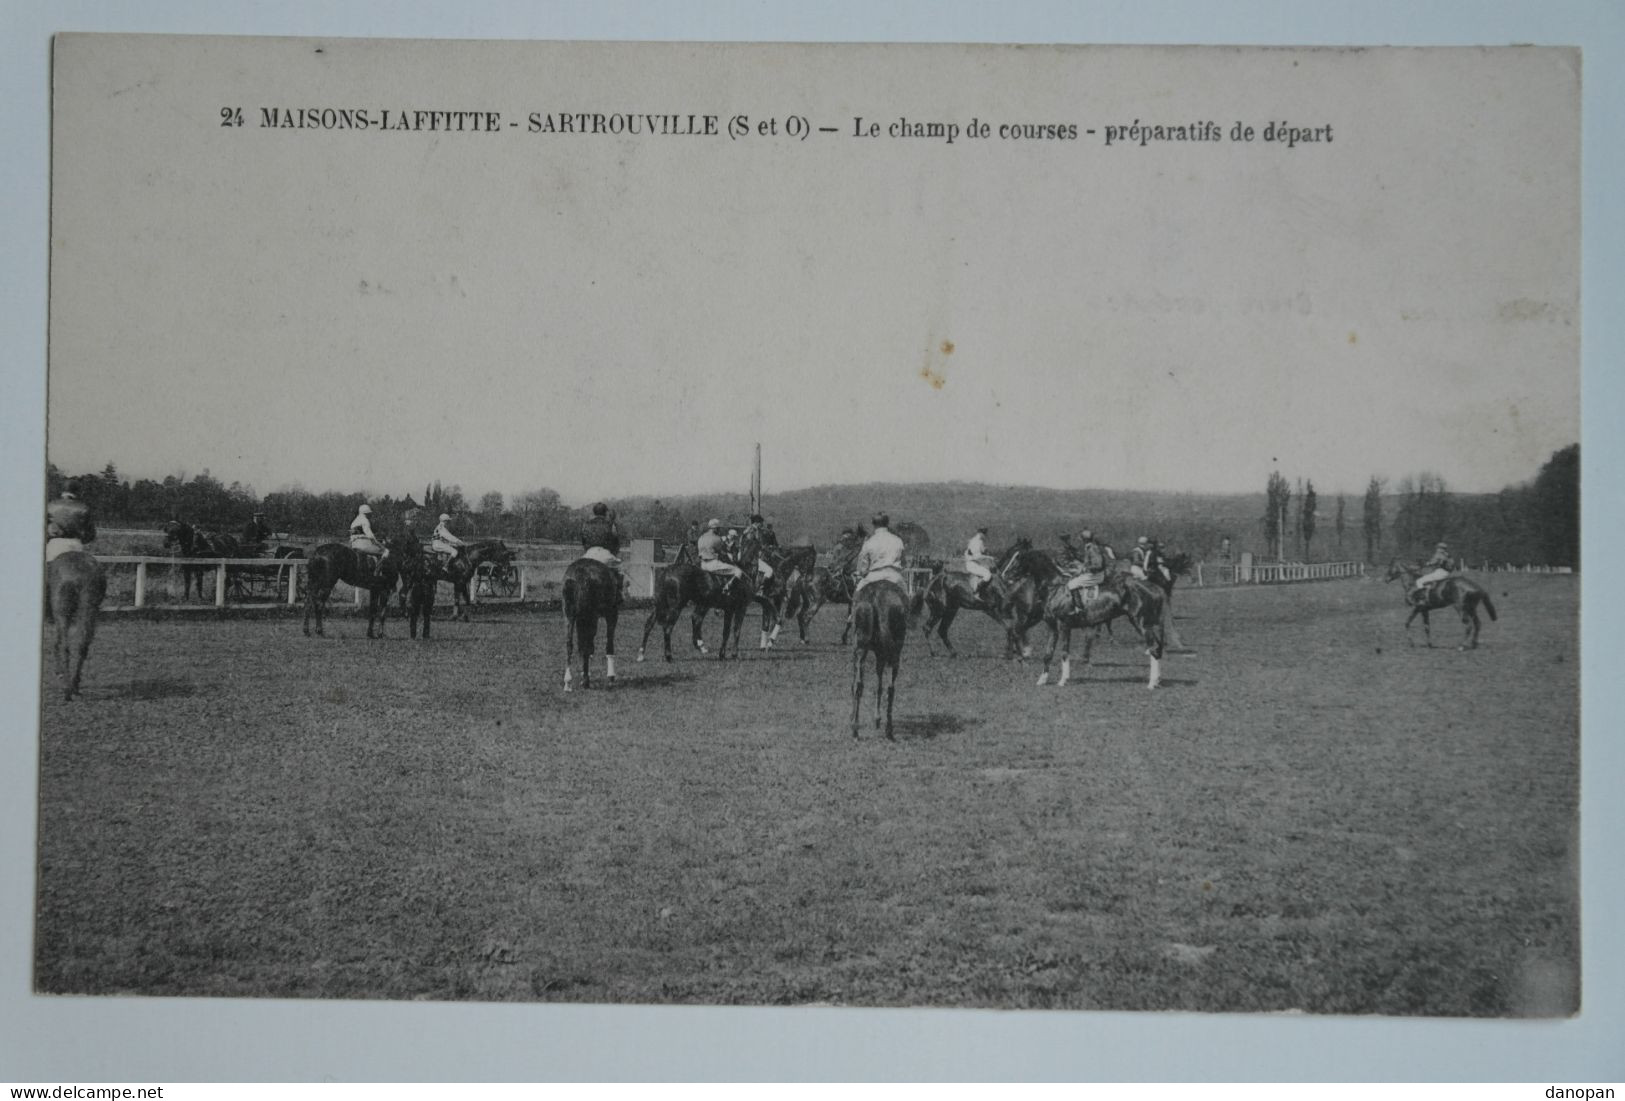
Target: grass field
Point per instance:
(1308, 816)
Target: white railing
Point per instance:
(282, 567)
(1275, 573)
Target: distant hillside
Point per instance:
(951, 511)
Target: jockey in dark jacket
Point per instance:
(601, 541)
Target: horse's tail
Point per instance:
(916, 603)
(897, 620)
(584, 626)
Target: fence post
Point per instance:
(140, 584)
(293, 581)
(220, 586)
(524, 578)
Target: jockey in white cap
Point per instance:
(712, 547)
(1139, 557)
(1436, 568)
(361, 537)
(446, 544)
(68, 523)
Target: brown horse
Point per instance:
(813, 589)
(783, 590)
(591, 592)
(1119, 596)
(880, 615)
(331, 563)
(74, 588)
(419, 577)
(951, 590)
(461, 570)
(197, 543)
(685, 584)
(1459, 593)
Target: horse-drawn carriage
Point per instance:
(499, 578)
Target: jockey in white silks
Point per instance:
(361, 537)
(712, 546)
(445, 540)
(1434, 569)
(978, 563)
(881, 558)
(68, 524)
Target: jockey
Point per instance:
(1434, 569)
(362, 540)
(601, 541)
(881, 558)
(1156, 564)
(446, 544)
(713, 549)
(1139, 559)
(758, 531)
(68, 523)
(257, 531)
(978, 563)
(1089, 562)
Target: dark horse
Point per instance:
(784, 590)
(683, 584)
(331, 563)
(74, 588)
(813, 589)
(952, 589)
(591, 593)
(1459, 593)
(419, 576)
(880, 615)
(197, 543)
(1041, 586)
(460, 571)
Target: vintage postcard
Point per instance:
(1028, 528)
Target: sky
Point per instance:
(613, 316)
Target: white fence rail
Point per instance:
(1274, 573)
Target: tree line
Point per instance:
(1537, 522)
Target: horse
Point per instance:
(683, 584)
(331, 563)
(880, 615)
(1461, 593)
(461, 570)
(813, 589)
(1118, 596)
(419, 576)
(591, 592)
(951, 590)
(784, 589)
(197, 543)
(74, 587)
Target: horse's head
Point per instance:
(175, 532)
(1178, 564)
(1396, 570)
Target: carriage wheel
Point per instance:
(506, 581)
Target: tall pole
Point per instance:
(756, 483)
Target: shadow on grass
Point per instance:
(910, 727)
(650, 680)
(152, 688)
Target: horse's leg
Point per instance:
(86, 623)
(880, 684)
(1470, 625)
(891, 694)
(1415, 611)
(1049, 654)
(569, 647)
(460, 591)
(1066, 652)
(948, 614)
(1427, 629)
(610, 618)
(858, 653)
(649, 626)
(698, 618)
